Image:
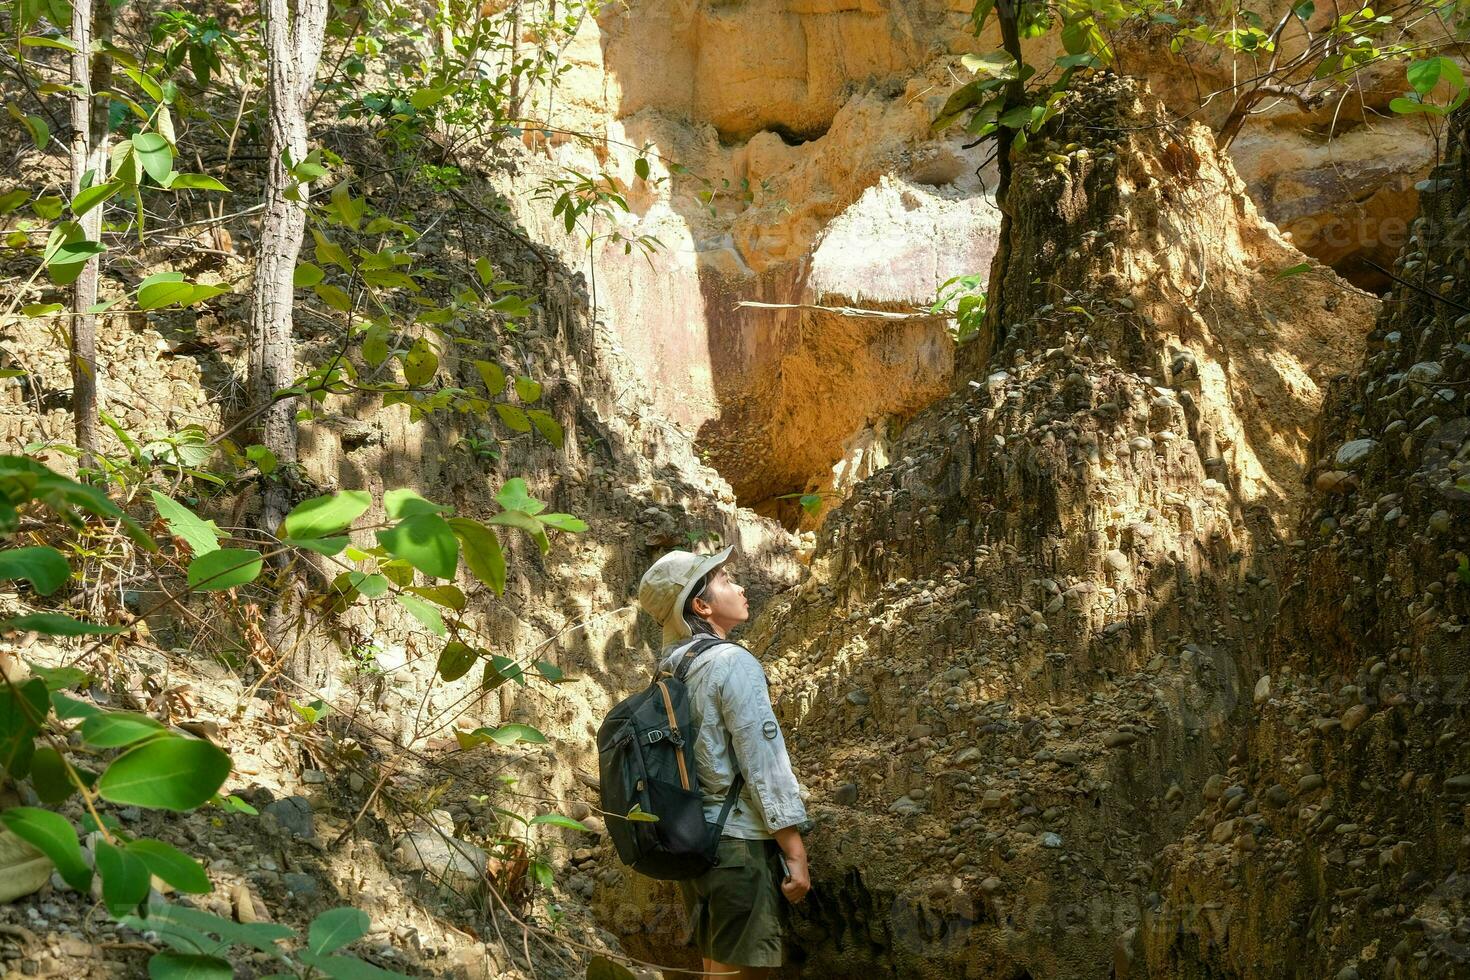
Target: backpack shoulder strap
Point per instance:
(695, 649)
(731, 796)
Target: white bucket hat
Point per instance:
(666, 586)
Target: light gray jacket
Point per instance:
(738, 732)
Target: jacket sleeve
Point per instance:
(760, 748)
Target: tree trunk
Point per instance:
(88, 153)
(975, 358)
(294, 36)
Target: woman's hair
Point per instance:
(698, 624)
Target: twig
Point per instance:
(843, 310)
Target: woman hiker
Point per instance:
(734, 908)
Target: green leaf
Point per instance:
(47, 207)
(45, 568)
(224, 569)
(68, 708)
(640, 167)
(47, 42)
(513, 495)
(1425, 75)
(88, 199)
(514, 418)
(124, 876)
(1294, 270)
(115, 729)
(200, 535)
(602, 968)
(258, 935)
(527, 389)
(482, 552)
(455, 660)
(512, 733)
(636, 815)
(347, 967)
(40, 309)
(54, 836)
(172, 865)
(56, 624)
(313, 712)
(11, 200)
(557, 820)
(336, 928)
(171, 965)
(334, 296)
(423, 612)
(156, 295)
(420, 363)
(263, 458)
(371, 586)
(448, 596)
(493, 375)
(196, 182)
(307, 274)
(426, 542)
(154, 153)
(323, 516)
(550, 671)
(59, 678)
(402, 502)
(322, 546)
(995, 64)
(547, 425)
(1407, 107)
(563, 522)
(527, 523)
(375, 344)
(49, 776)
(173, 773)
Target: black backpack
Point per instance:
(645, 752)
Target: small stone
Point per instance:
(300, 885)
(1310, 782)
(1458, 785)
(858, 697)
(293, 814)
(991, 885)
(1263, 690)
(1051, 840)
(1222, 831)
(904, 807)
(1214, 787)
(1354, 716)
(1117, 561)
(1114, 740)
(1355, 453)
(313, 777)
(846, 794)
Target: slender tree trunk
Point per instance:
(993, 334)
(89, 73)
(294, 37)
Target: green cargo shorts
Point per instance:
(735, 907)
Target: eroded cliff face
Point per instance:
(807, 174)
(1336, 841)
(1017, 657)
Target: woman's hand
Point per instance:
(798, 882)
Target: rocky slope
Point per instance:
(1336, 840)
(1015, 664)
(632, 474)
(1026, 635)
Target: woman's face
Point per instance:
(723, 604)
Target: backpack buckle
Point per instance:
(655, 736)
